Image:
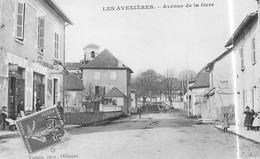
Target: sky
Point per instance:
(160, 38)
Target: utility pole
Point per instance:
(188, 96)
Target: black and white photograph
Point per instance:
(129, 79)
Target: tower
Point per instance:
(90, 52)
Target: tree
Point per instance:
(146, 83)
(186, 76)
(170, 84)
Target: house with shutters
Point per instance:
(32, 53)
(103, 74)
(245, 43)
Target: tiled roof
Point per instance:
(114, 92)
(174, 83)
(242, 27)
(59, 11)
(201, 79)
(73, 65)
(105, 60)
(73, 82)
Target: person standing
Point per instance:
(252, 117)
(38, 105)
(4, 116)
(256, 122)
(60, 110)
(20, 106)
(247, 118)
(225, 123)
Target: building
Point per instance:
(32, 51)
(245, 42)
(74, 91)
(105, 72)
(220, 94)
(197, 89)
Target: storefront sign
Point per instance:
(45, 64)
(41, 130)
(13, 67)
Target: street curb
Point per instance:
(16, 134)
(234, 133)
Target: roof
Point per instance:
(174, 82)
(105, 60)
(59, 11)
(201, 79)
(211, 64)
(91, 45)
(249, 19)
(73, 82)
(114, 92)
(73, 65)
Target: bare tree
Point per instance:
(146, 83)
(186, 76)
(170, 84)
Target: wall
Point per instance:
(110, 108)
(223, 83)
(250, 77)
(87, 118)
(197, 100)
(121, 82)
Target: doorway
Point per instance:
(38, 89)
(16, 90)
(55, 91)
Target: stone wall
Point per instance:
(83, 118)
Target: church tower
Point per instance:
(90, 52)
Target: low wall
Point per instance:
(89, 117)
(110, 108)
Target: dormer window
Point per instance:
(92, 54)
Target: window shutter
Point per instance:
(20, 21)
(56, 46)
(41, 33)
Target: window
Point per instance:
(253, 51)
(20, 21)
(241, 51)
(97, 75)
(41, 34)
(56, 45)
(113, 75)
(97, 90)
(92, 54)
(244, 99)
(100, 90)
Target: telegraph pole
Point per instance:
(188, 95)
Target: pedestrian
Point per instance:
(256, 122)
(131, 112)
(247, 118)
(60, 110)
(225, 123)
(20, 106)
(42, 106)
(252, 119)
(3, 116)
(38, 105)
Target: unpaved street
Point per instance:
(155, 136)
